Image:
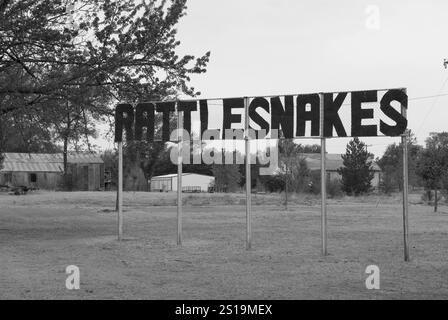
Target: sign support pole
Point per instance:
(404, 143)
(323, 178)
(179, 177)
(120, 191)
(248, 178)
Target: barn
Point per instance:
(191, 182)
(333, 161)
(85, 171)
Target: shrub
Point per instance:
(334, 188)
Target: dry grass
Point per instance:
(42, 233)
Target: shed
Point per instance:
(191, 182)
(85, 171)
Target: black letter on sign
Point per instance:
(203, 110)
(127, 121)
(230, 118)
(254, 104)
(142, 120)
(166, 108)
(187, 107)
(388, 110)
(283, 116)
(358, 113)
(331, 116)
(313, 115)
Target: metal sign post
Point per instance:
(404, 143)
(323, 178)
(248, 178)
(120, 191)
(179, 176)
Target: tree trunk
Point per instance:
(66, 185)
(435, 200)
(65, 155)
(286, 192)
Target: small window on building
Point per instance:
(33, 177)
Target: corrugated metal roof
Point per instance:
(333, 161)
(44, 162)
(171, 175)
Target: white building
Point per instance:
(191, 182)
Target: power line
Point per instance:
(344, 104)
(428, 97)
(433, 105)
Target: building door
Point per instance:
(85, 178)
(91, 178)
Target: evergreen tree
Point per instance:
(356, 172)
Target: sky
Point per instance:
(267, 47)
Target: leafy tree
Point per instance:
(293, 167)
(291, 160)
(273, 183)
(227, 177)
(356, 172)
(23, 133)
(120, 50)
(391, 164)
(309, 148)
(125, 47)
(388, 181)
(432, 164)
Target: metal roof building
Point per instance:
(45, 170)
(191, 182)
(333, 161)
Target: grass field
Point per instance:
(42, 233)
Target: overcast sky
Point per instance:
(270, 47)
(265, 47)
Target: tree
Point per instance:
(391, 164)
(356, 172)
(119, 50)
(293, 167)
(124, 47)
(432, 164)
(227, 177)
(23, 133)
